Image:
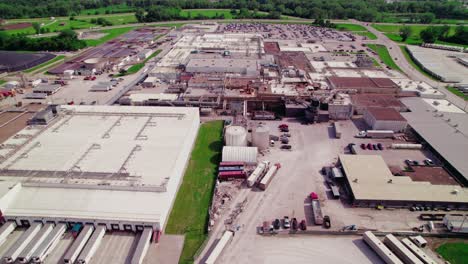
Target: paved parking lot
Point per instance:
(314, 146)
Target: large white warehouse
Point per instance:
(115, 165)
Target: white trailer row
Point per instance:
(268, 177)
(25, 256)
(257, 173)
(46, 247)
(418, 252)
(92, 245)
(225, 239)
(6, 230)
(379, 248)
(20, 244)
(400, 250)
(142, 246)
(406, 146)
(78, 244)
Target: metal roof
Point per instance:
(446, 132)
(371, 179)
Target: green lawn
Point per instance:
(455, 253)
(211, 13)
(102, 10)
(135, 68)
(42, 65)
(356, 29)
(54, 26)
(118, 19)
(392, 32)
(457, 93)
(2, 82)
(189, 214)
(384, 55)
(111, 34)
(413, 63)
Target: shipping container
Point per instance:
(226, 175)
(92, 245)
(384, 252)
(335, 192)
(231, 168)
(14, 251)
(380, 133)
(78, 244)
(6, 230)
(49, 243)
(230, 163)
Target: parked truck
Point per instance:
(258, 173)
(376, 134)
(268, 176)
(316, 210)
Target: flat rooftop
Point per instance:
(385, 114)
(361, 82)
(371, 179)
(101, 161)
(377, 100)
(446, 132)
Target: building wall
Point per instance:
(394, 125)
(340, 111)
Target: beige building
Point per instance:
(380, 118)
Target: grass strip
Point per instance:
(189, 215)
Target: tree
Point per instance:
(37, 27)
(140, 15)
(429, 35)
(426, 18)
(444, 31)
(405, 32)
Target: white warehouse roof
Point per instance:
(99, 162)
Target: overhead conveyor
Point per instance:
(20, 244)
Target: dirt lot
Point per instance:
(314, 146)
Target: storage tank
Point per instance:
(94, 63)
(235, 136)
(261, 137)
(406, 146)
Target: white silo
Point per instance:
(261, 137)
(235, 136)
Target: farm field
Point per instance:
(189, 214)
(42, 65)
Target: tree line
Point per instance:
(433, 34)
(422, 11)
(67, 40)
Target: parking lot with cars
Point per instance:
(314, 147)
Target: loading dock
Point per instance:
(49, 243)
(20, 244)
(142, 246)
(92, 245)
(78, 244)
(25, 256)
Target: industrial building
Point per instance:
(362, 101)
(363, 85)
(445, 132)
(371, 183)
(380, 118)
(117, 166)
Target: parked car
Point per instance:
(326, 221)
(409, 162)
(303, 225)
(286, 222)
(276, 224)
(363, 146)
(369, 146)
(283, 126)
(286, 147)
(287, 135)
(429, 162)
(374, 146)
(294, 223)
(380, 146)
(313, 196)
(284, 129)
